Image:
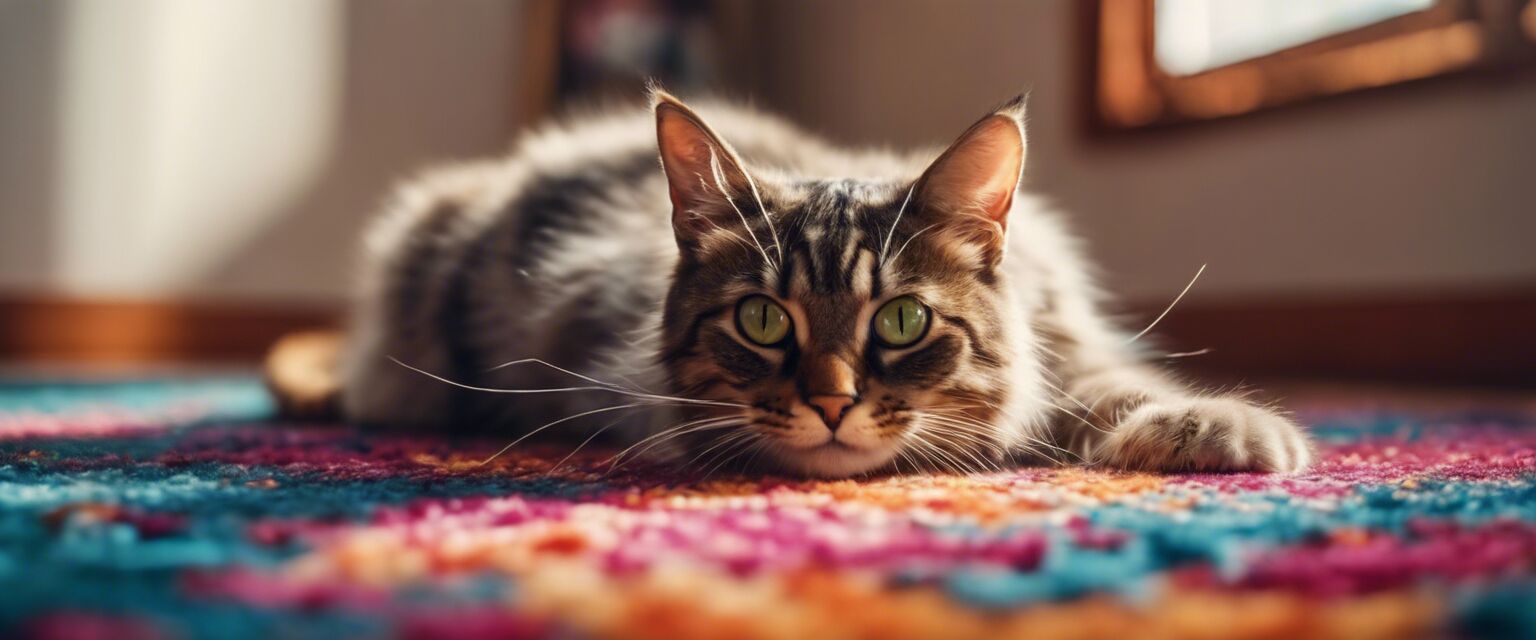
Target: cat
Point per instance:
(764, 300)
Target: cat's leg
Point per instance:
(1115, 409)
(1140, 419)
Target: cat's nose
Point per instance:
(832, 408)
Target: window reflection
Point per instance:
(1191, 36)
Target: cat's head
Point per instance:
(851, 325)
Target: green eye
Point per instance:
(901, 322)
(762, 320)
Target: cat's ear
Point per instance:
(971, 186)
(705, 178)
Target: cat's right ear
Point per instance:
(707, 181)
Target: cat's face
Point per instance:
(851, 326)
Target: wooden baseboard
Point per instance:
(42, 328)
(1481, 339)
(1464, 339)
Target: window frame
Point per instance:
(1130, 90)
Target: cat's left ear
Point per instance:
(971, 185)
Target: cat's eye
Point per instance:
(762, 320)
(901, 322)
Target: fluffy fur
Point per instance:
(612, 286)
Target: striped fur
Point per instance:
(579, 251)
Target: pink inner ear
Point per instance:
(683, 147)
(685, 156)
(688, 153)
(980, 172)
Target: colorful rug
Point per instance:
(175, 508)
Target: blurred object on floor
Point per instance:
(303, 372)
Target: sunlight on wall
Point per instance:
(185, 126)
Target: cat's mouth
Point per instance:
(832, 443)
(833, 459)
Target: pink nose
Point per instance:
(832, 408)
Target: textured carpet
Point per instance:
(164, 508)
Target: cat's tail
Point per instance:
(303, 371)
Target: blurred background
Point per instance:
(184, 180)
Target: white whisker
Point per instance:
(728, 438)
(1176, 300)
(602, 387)
(955, 433)
(759, 447)
(902, 455)
(589, 439)
(910, 239)
(719, 177)
(763, 209)
(560, 421)
(670, 433)
(964, 431)
(551, 366)
(744, 445)
(885, 246)
(972, 423)
(1079, 403)
(952, 464)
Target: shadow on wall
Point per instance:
(31, 62)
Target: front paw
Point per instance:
(1205, 434)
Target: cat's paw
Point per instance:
(1205, 434)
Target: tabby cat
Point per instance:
(764, 300)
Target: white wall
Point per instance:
(1421, 188)
(165, 148)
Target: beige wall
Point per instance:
(233, 149)
(1416, 188)
(166, 148)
